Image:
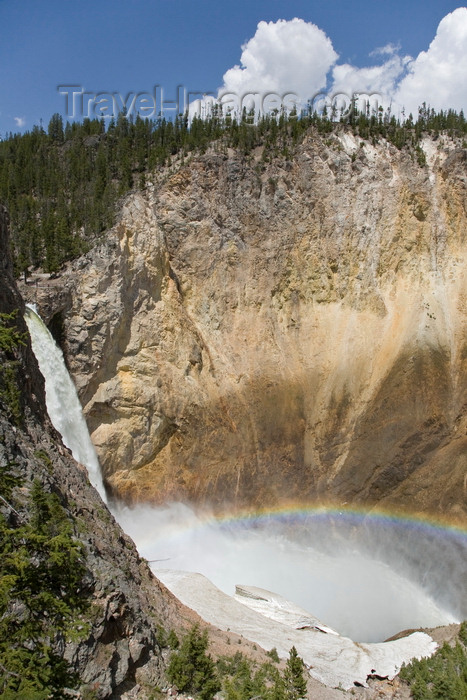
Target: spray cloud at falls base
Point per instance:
(368, 578)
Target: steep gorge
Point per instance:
(117, 643)
(254, 332)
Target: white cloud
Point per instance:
(438, 76)
(387, 50)
(20, 121)
(297, 58)
(282, 57)
(376, 81)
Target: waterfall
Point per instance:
(62, 400)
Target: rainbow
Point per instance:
(353, 516)
(321, 557)
(197, 520)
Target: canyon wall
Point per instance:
(119, 648)
(259, 331)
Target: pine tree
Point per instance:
(191, 669)
(294, 679)
(55, 128)
(61, 186)
(41, 595)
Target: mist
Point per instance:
(367, 578)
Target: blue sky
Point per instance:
(123, 45)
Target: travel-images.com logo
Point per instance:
(81, 103)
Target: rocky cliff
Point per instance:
(128, 607)
(257, 331)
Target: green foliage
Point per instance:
(272, 653)
(421, 157)
(10, 394)
(45, 459)
(8, 481)
(161, 636)
(62, 185)
(294, 678)
(442, 676)
(242, 679)
(172, 640)
(191, 669)
(11, 339)
(238, 677)
(41, 595)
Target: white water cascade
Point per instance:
(62, 399)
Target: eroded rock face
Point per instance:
(250, 334)
(121, 649)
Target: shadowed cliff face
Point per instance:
(254, 333)
(120, 650)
